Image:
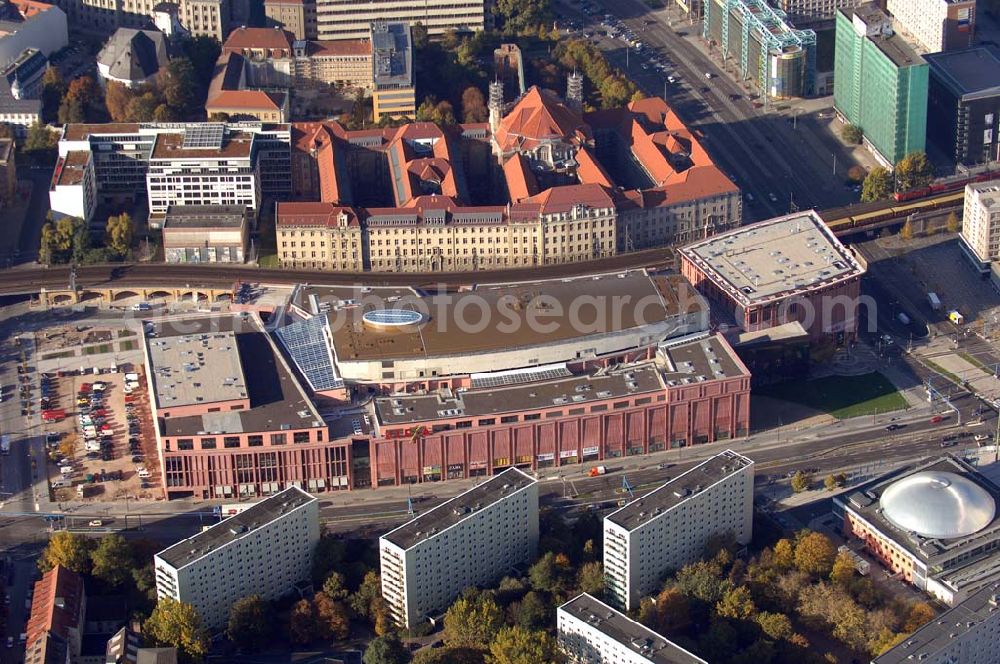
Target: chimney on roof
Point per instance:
(495, 105)
(574, 91)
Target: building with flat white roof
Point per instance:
(264, 551)
(669, 527)
(591, 632)
(981, 224)
(790, 268)
(966, 633)
(473, 539)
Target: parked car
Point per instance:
(95, 523)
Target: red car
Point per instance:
(937, 419)
(53, 415)
(100, 412)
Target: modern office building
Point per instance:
(201, 18)
(348, 19)
(575, 187)
(936, 25)
(963, 106)
(172, 163)
(231, 419)
(394, 93)
(264, 551)
(981, 224)
(965, 633)
(786, 270)
(591, 632)
(669, 527)
(33, 25)
(205, 234)
(880, 83)
(933, 523)
(473, 539)
(778, 59)
(811, 12)
(55, 626)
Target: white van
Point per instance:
(92, 446)
(66, 470)
(62, 483)
(142, 472)
(132, 377)
(89, 431)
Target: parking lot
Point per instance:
(99, 435)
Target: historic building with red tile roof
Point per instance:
(540, 184)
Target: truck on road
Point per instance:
(5, 444)
(598, 470)
(934, 300)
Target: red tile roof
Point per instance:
(539, 116)
(590, 171)
(56, 605)
(248, 100)
(258, 38)
(521, 182)
(564, 199)
(313, 214)
(340, 47)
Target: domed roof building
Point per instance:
(934, 523)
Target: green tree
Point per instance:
(387, 649)
(68, 549)
(250, 623)
(521, 16)
(842, 572)
(590, 578)
(906, 231)
(834, 482)
(181, 86)
(814, 554)
(362, 600)
(165, 113)
(119, 231)
(116, 99)
(302, 622)
(703, 580)
(112, 560)
(332, 617)
(953, 225)
(143, 107)
(914, 171)
(545, 575)
(40, 139)
(801, 481)
(472, 622)
(877, 186)
(775, 625)
(53, 89)
(736, 603)
(851, 134)
(335, 587)
(516, 645)
(176, 624)
(532, 612)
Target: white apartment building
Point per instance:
(208, 166)
(669, 527)
(591, 632)
(474, 539)
(935, 25)
(967, 633)
(172, 163)
(208, 18)
(264, 551)
(981, 224)
(350, 19)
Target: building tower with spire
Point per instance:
(574, 91)
(496, 106)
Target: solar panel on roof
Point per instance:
(203, 136)
(306, 344)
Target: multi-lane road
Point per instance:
(785, 162)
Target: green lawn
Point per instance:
(841, 396)
(124, 346)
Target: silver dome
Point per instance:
(938, 505)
